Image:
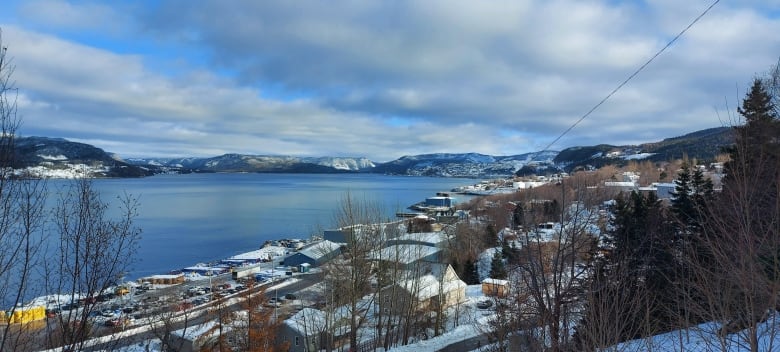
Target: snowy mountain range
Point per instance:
(259, 163)
(57, 157)
(464, 165)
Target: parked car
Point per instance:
(484, 304)
(70, 306)
(290, 296)
(200, 300)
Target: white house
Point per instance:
(432, 286)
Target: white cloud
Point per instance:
(68, 15)
(390, 78)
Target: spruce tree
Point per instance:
(518, 215)
(693, 197)
(638, 259)
(469, 273)
(491, 235)
(753, 173)
(497, 267)
(755, 154)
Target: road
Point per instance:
(469, 344)
(200, 314)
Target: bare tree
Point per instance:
(552, 264)
(21, 219)
(257, 330)
(350, 274)
(610, 313)
(163, 321)
(95, 250)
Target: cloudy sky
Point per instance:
(379, 79)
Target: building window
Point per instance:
(297, 341)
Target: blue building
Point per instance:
(315, 254)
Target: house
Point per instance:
(193, 338)
(304, 331)
(437, 239)
(495, 288)
(205, 270)
(315, 254)
(407, 255)
(432, 286)
(665, 190)
(312, 330)
(170, 279)
(373, 231)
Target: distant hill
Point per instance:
(56, 154)
(63, 156)
(463, 165)
(260, 163)
(703, 145)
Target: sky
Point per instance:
(379, 79)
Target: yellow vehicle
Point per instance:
(121, 291)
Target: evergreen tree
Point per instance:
(753, 173)
(469, 273)
(552, 210)
(497, 267)
(491, 235)
(519, 215)
(742, 234)
(637, 259)
(693, 197)
(755, 154)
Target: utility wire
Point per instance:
(632, 75)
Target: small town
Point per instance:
(446, 276)
(389, 176)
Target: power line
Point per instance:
(632, 75)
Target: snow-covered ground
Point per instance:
(484, 262)
(704, 338)
(68, 171)
(472, 322)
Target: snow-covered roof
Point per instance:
(307, 321)
(200, 268)
(429, 285)
(495, 282)
(164, 276)
(262, 253)
(320, 249)
(432, 238)
(619, 184)
(404, 253)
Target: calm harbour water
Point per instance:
(189, 219)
